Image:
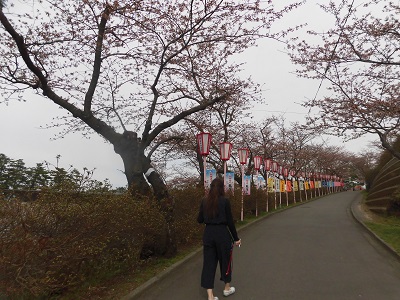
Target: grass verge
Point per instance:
(388, 229)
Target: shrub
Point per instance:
(394, 203)
(64, 239)
(187, 203)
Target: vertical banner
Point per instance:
(230, 182)
(288, 185)
(306, 185)
(301, 185)
(246, 184)
(210, 176)
(260, 182)
(312, 186)
(283, 186)
(277, 185)
(270, 185)
(296, 185)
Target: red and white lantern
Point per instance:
(257, 162)
(274, 167)
(243, 155)
(285, 172)
(267, 164)
(204, 143)
(225, 150)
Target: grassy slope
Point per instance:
(388, 229)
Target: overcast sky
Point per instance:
(22, 138)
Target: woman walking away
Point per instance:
(218, 239)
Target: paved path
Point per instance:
(313, 251)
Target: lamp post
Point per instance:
(257, 164)
(225, 151)
(334, 183)
(280, 170)
(274, 169)
(204, 143)
(330, 183)
(292, 173)
(315, 187)
(318, 175)
(305, 185)
(301, 185)
(243, 155)
(267, 168)
(285, 176)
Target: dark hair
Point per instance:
(217, 190)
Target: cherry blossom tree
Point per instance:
(358, 60)
(131, 70)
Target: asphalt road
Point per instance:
(313, 251)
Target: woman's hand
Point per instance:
(238, 243)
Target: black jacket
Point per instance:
(224, 217)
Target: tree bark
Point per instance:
(139, 173)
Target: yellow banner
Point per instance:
(271, 185)
(282, 186)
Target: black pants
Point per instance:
(217, 245)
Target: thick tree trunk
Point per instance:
(139, 174)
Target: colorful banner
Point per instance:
(306, 185)
(246, 184)
(260, 182)
(271, 184)
(283, 186)
(288, 186)
(296, 186)
(277, 185)
(210, 176)
(301, 185)
(230, 182)
(312, 184)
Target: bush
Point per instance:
(63, 240)
(67, 240)
(187, 203)
(394, 203)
